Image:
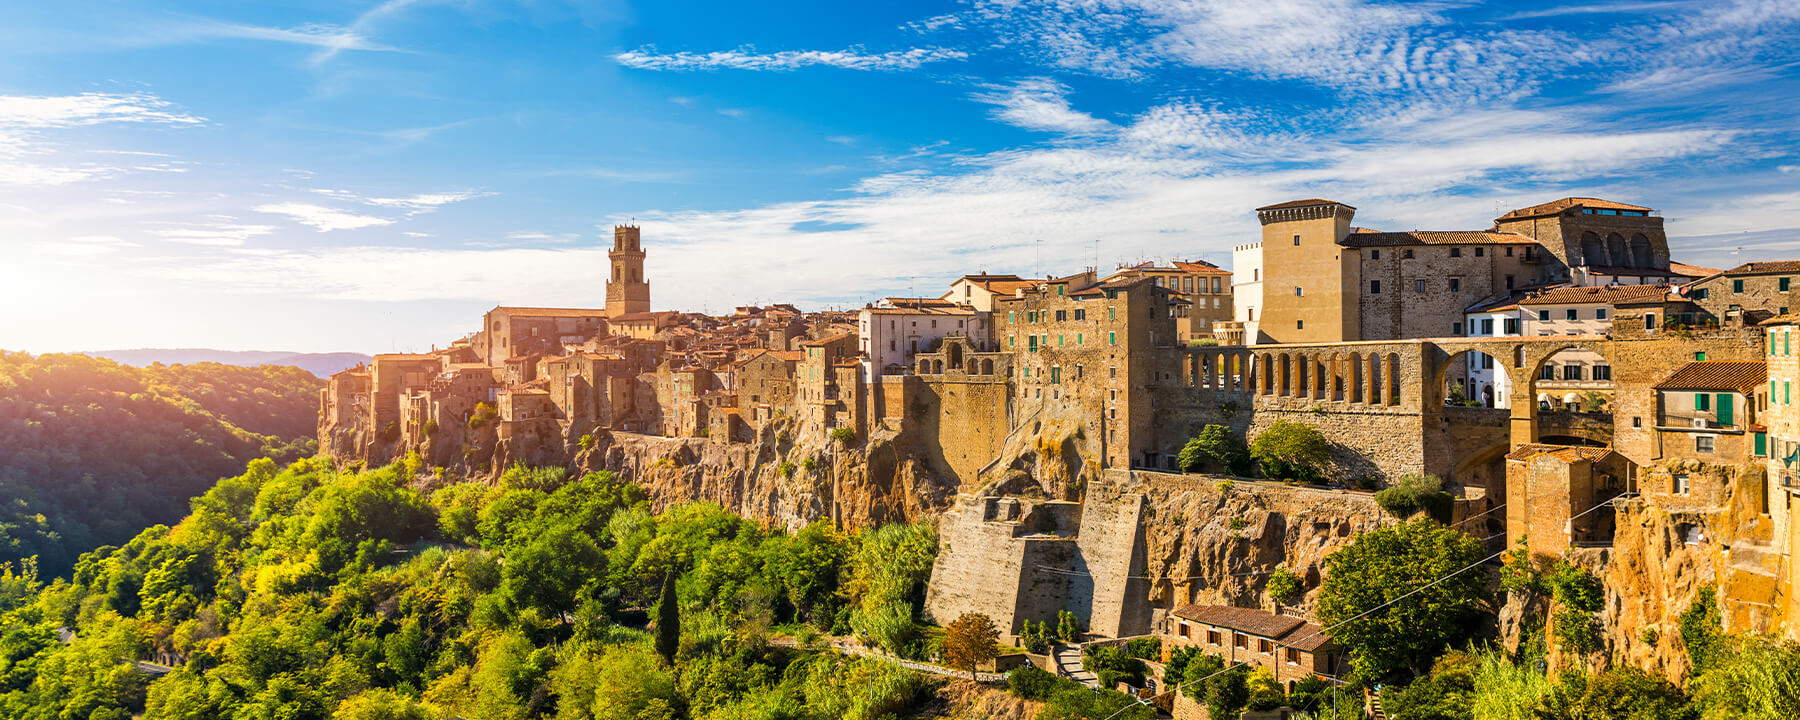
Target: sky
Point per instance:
(357, 175)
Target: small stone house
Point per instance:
(1707, 411)
(1289, 647)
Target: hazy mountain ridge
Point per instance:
(320, 364)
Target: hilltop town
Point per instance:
(1579, 392)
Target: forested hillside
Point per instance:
(306, 593)
(92, 452)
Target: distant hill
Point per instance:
(320, 364)
(93, 451)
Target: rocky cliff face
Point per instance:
(783, 476)
(1211, 540)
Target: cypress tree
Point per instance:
(668, 621)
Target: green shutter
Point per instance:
(1725, 408)
(1762, 444)
(1112, 338)
(1787, 392)
(1701, 401)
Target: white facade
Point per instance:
(889, 337)
(1487, 381)
(1246, 288)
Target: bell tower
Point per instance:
(627, 291)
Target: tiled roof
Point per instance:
(1200, 267)
(825, 340)
(1638, 272)
(1693, 271)
(658, 315)
(1248, 620)
(1556, 206)
(1300, 203)
(1434, 237)
(1596, 294)
(1565, 453)
(1766, 267)
(917, 302)
(1717, 375)
(1307, 637)
(986, 277)
(949, 309)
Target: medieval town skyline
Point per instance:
(365, 176)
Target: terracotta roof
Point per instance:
(551, 312)
(1565, 453)
(658, 315)
(1556, 206)
(1200, 267)
(918, 302)
(926, 310)
(825, 340)
(1248, 620)
(1597, 294)
(986, 277)
(1307, 637)
(1640, 272)
(1718, 375)
(1693, 271)
(1766, 267)
(1434, 237)
(1301, 203)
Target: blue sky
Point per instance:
(355, 175)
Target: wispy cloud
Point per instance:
(30, 155)
(60, 111)
(1039, 104)
(746, 59)
(426, 202)
(322, 218)
(223, 232)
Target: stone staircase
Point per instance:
(1068, 664)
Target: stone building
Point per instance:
(979, 291)
(1782, 466)
(1290, 648)
(1757, 290)
(765, 383)
(1593, 241)
(1559, 496)
(890, 336)
(1708, 411)
(504, 330)
(1206, 287)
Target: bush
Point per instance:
(1216, 446)
(1290, 451)
(844, 436)
(785, 469)
(1284, 587)
(483, 413)
(810, 464)
(1066, 628)
(1031, 683)
(1036, 641)
(1415, 492)
(1146, 648)
(1112, 666)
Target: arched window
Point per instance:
(1640, 252)
(1615, 250)
(1593, 250)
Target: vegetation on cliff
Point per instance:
(311, 593)
(96, 451)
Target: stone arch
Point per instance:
(1641, 253)
(1286, 371)
(1268, 374)
(1304, 387)
(955, 352)
(1338, 393)
(924, 366)
(987, 366)
(937, 367)
(1357, 385)
(1615, 250)
(1453, 371)
(1392, 373)
(1527, 385)
(1593, 249)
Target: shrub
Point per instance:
(1215, 446)
(1225, 486)
(586, 442)
(483, 413)
(1284, 587)
(1031, 683)
(1111, 666)
(1415, 492)
(1067, 629)
(1145, 648)
(1036, 641)
(1290, 451)
(810, 464)
(785, 469)
(844, 435)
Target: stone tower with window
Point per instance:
(627, 291)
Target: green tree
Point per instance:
(970, 640)
(1415, 492)
(1284, 587)
(1701, 630)
(1445, 694)
(1397, 596)
(1290, 450)
(1626, 693)
(1752, 678)
(668, 621)
(1216, 446)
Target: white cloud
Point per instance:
(58, 111)
(322, 218)
(222, 232)
(426, 202)
(745, 59)
(1039, 104)
(29, 124)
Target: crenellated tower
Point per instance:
(627, 291)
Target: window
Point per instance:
(1509, 252)
(1374, 287)
(1455, 328)
(1293, 656)
(1702, 293)
(1062, 315)
(1010, 339)
(1078, 337)
(1509, 278)
(1418, 286)
(1547, 373)
(1637, 422)
(1255, 274)
(1055, 376)
(1112, 313)
(1455, 252)
(1478, 251)
(1702, 401)
(1011, 317)
(1112, 338)
(1570, 313)
(1455, 284)
(1212, 637)
(1033, 343)
(1059, 341)
(1296, 241)
(1487, 326)
(1678, 484)
(1265, 647)
(1238, 640)
(1184, 630)
(1078, 372)
(1299, 324)
(1602, 372)
(1571, 372)
(1080, 313)
(1782, 284)
(1701, 355)
(1737, 286)
(1027, 372)
(1114, 371)
(1543, 316)
(1649, 321)
(1510, 326)
(1374, 254)
(1599, 313)
(1703, 443)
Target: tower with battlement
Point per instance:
(627, 291)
